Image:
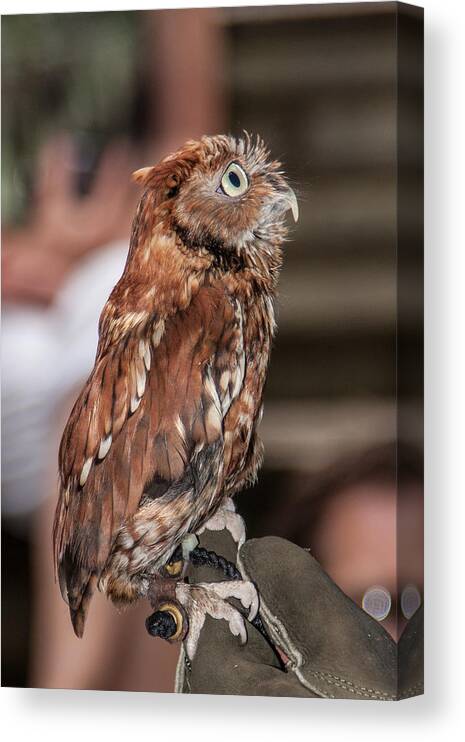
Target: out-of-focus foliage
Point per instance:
(74, 72)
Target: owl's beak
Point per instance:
(291, 201)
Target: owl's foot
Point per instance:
(226, 517)
(180, 609)
(181, 616)
(210, 598)
(201, 557)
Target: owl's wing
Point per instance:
(151, 401)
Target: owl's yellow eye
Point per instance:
(234, 181)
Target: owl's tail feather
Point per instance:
(77, 582)
(78, 608)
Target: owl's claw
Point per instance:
(209, 598)
(227, 518)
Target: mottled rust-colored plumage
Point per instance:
(166, 425)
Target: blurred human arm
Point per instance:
(63, 226)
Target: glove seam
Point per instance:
(350, 687)
(280, 635)
(414, 690)
(337, 680)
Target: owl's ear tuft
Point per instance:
(143, 175)
(168, 175)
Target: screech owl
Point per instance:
(164, 431)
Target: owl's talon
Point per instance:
(227, 518)
(210, 598)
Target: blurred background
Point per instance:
(89, 97)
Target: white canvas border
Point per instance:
(69, 715)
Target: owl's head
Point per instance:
(225, 195)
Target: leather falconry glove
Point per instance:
(331, 647)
